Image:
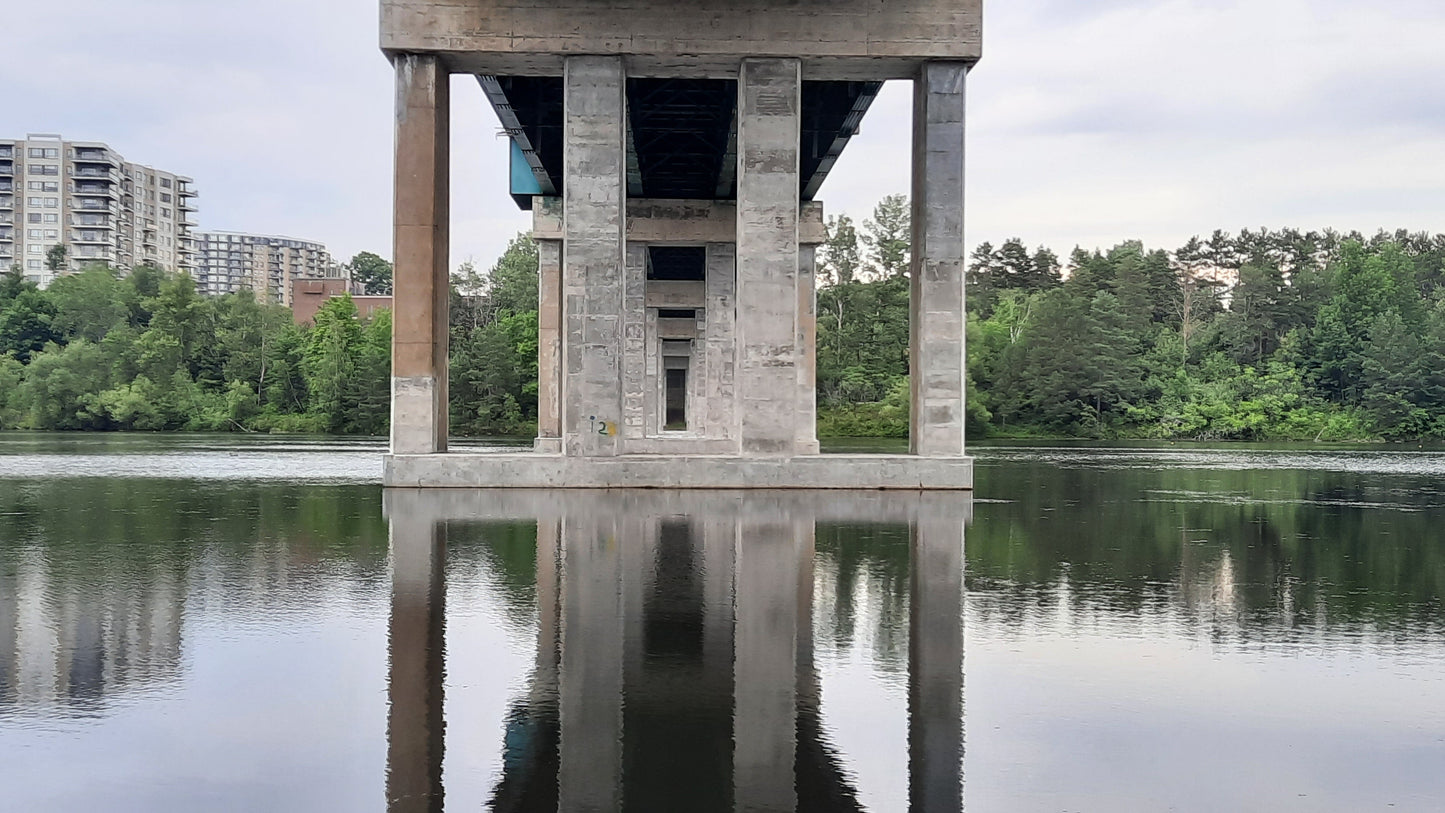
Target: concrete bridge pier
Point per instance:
(672, 156)
(419, 419)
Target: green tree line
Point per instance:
(1255, 335)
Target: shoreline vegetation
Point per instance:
(1256, 336)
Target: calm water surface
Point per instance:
(221, 623)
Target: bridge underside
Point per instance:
(682, 133)
(672, 156)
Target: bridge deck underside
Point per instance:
(682, 133)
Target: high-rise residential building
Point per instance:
(102, 208)
(230, 261)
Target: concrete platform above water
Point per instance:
(532, 470)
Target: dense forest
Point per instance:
(1256, 335)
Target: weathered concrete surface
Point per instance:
(592, 254)
(634, 344)
(805, 422)
(908, 472)
(769, 130)
(549, 346)
(839, 39)
(937, 325)
(677, 222)
(722, 348)
(422, 195)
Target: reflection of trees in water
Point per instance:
(97, 576)
(1234, 555)
(860, 592)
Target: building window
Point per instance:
(35, 249)
(44, 152)
(33, 217)
(166, 182)
(52, 218)
(44, 169)
(32, 234)
(52, 234)
(52, 203)
(33, 265)
(165, 198)
(166, 213)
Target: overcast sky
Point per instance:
(1091, 121)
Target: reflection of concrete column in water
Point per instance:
(415, 724)
(935, 666)
(591, 679)
(9, 633)
(765, 666)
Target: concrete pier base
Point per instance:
(531, 470)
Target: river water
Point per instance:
(222, 623)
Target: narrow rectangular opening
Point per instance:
(676, 419)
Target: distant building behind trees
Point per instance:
(267, 265)
(68, 204)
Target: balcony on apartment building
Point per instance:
(96, 173)
(94, 155)
(89, 236)
(7, 168)
(184, 188)
(7, 202)
(94, 188)
(7, 186)
(7, 235)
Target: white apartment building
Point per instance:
(264, 263)
(87, 197)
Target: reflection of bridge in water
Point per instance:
(674, 664)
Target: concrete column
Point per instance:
(422, 198)
(549, 346)
(590, 772)
(594, 215)
(806, 421)
(765, 709)
(935, 666)
(415, 725)
(769, 133)
(720, 290)
(634, 342)
(936, 306)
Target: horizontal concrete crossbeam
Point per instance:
(861, 40)
(678, 222)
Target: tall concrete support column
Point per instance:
(721, 306)
(769, 134)
(422, 198)
(549, 346)
(634, 342)
(935, 666)
(594, 245)
(765, 739)
(937, 297)
(806, 421)
(415, 727)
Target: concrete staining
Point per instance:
(678, 332)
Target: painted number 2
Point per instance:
(604, 428)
